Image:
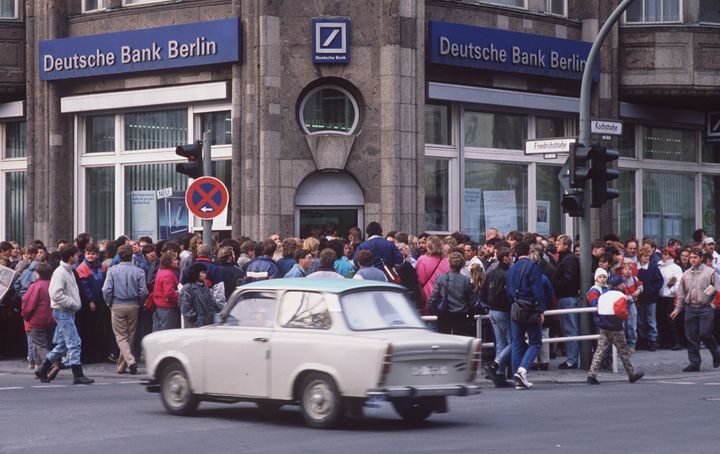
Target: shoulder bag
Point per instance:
(524, 311)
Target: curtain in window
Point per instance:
(155, 130)
(100, 202)
(15, 207)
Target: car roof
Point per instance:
(320, 285)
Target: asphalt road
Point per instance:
(116, 415)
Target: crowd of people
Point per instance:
(91, 301)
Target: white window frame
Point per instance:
(100, 7)
(307, 96)
(496, 3)
(141, 2)
(7, 165)
(548, 8)
(16, 13)
(643, 22)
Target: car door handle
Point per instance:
(261, 339)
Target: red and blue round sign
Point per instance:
(206, 197)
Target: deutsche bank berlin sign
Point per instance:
(331, 40)
(176, 46)
(501, 50)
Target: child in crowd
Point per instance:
(632, 287)
(612, 310)
(37, 314)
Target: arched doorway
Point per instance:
(325, 197)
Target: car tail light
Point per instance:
(474, 365)
(386, 364)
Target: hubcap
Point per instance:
(176, 389)
(318, 400)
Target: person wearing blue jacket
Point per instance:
(652, 279)
(384, 251)
(524, 280)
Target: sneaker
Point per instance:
(567, 366)
(133, 369)
(636, 376)
(652, 347)
(521, 381)
(692, 368)
(592, 380)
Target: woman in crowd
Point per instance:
(165, 294)
(429, 267)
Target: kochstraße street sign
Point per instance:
(546, 146)
(613, 128)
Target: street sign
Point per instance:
(206, 197)
(613, 128)
(545, 146)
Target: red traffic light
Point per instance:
(193, 152)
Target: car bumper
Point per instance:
(424, 391)
(151, 386)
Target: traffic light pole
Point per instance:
(207, 171)
(584, 222)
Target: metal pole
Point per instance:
(207, 171)
(584, 138)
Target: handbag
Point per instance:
(390, 274)
(524, 311)
(150, 302)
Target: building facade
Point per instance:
(413, 113)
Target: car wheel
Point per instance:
(320, 401)
(175, 392)
(415, 410)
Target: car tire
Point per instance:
(320, 401)
(414, 410)
(175, 391)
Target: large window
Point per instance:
(626, 204)
(219, 125)
(15, 206)
(494, 130)
(710, 204)
(499, 194)
(669, 144)
(437, 124)
(15, 140)
(653, 11)
(8, 9)
(100, 134)
(668, 206)
(549, 215)
(100, 202)
(155, 130)
(436, 194)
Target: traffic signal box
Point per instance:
(590, 163)
(193, 152)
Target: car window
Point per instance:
(253, 309)
(375, 309)
(304, 310)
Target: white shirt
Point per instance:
(465, 271)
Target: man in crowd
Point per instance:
(566, 284)
(708, 247)
(384, 251)
(304, 260)
(470, 251)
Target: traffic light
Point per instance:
(601, 175)
(572, 204)
(193, 152)
(580, 165)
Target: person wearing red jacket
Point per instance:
(37, 313)
(165, 294)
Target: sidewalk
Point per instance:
(103, 370)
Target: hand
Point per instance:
(92, 307)
(542, 318)
(675, 313)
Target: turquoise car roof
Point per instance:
(320, 285)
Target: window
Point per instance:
(494, 130)
(155, 130)
(100, 134)
(626, 142)
(711, 152)
(304, 310)
(652, 11)
(8, 9)
(710, 204)
(558, 7)
(92, 5)
(379, 310)
(515, 3)
(15, 140)
(501, 193)
(219, 125)
(252, 309)
(669, 144)
(15, 206)
(100, 202)
(548, 197)
(437, 124)
(626, 207)
(328, 109)
(549, 127)
(668, 213)
(436, 194)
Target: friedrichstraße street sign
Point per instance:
(546, 146)
(610, 127)
(206, 197)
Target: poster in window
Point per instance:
(173, 216)
(500, 210)
(473, 212)
(144, 214)
(542, 223)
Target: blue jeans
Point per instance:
(503, 338)
(631, 325)
(66, 338)
(166, 318)
(646, 322)
(520, 356)
(569, 325)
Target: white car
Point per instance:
(325, 345)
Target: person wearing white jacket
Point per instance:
(668, 329)
(65, 301)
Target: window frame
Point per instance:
(16, 12)
(548, 8)
(495, 3)
(680, 19)
(8, 165)
(356, 108)
(100, 7)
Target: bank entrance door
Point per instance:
(328, 197)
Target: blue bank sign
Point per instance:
(176, 46)
(500, 50)
(331, 40)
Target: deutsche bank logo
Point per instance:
(331, 43)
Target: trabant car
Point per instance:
(328, 346)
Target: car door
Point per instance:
(237, 351)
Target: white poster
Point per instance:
(542, 223)
(144, 214)
(473, 212)
(500, 210)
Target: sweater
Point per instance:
(669, 270)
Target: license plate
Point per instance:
(420, 371)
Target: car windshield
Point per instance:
(378, 309)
